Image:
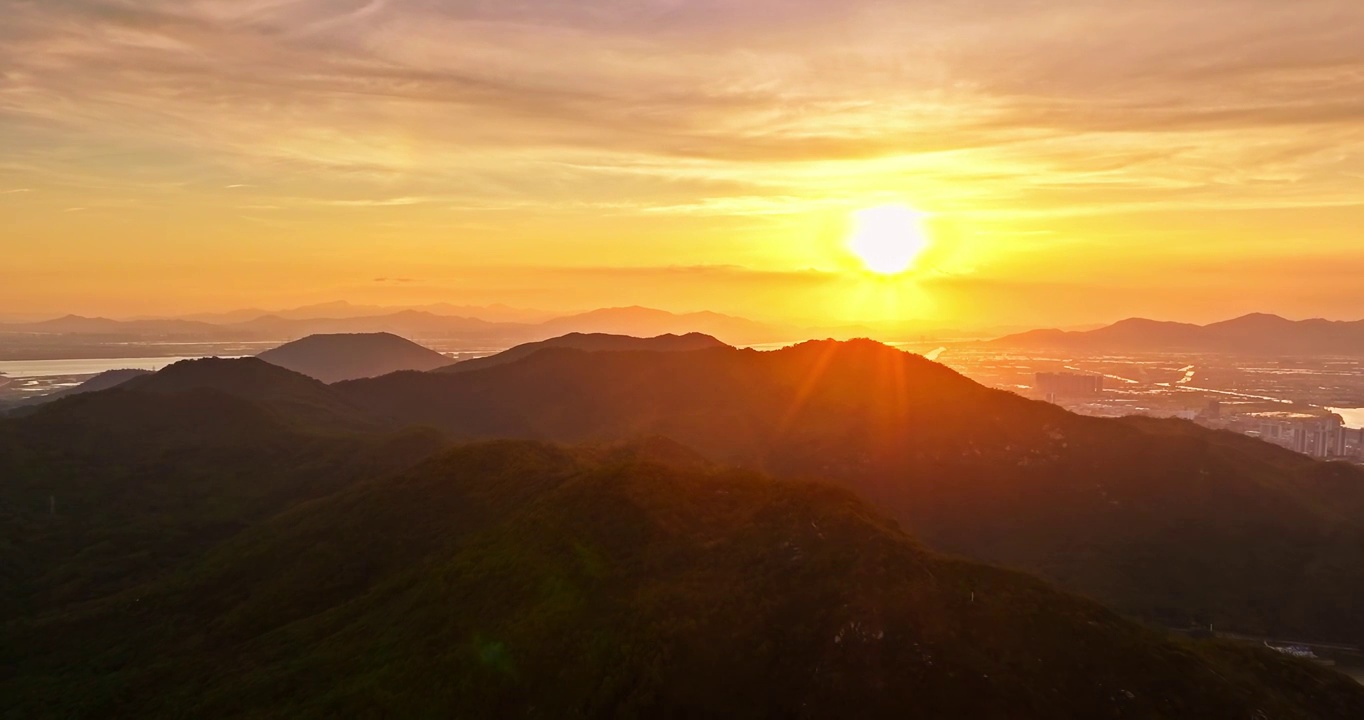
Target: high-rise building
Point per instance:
(1053, 386)
(1322, 437)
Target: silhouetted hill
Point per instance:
(331, 358)
(513, 580)
(1257, 334)
(289, 396)
(593, 342)
(1161, 518)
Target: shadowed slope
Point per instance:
(514, 579)
(105, 490)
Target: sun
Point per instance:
(888, 239)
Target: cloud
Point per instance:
(404, 89)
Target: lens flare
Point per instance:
(888, 239)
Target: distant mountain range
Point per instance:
(411, 323)
(343, 309)
(230, 538)
(78, 325)
(1257, 334)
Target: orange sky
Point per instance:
(1080, 161)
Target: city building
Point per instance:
(1315, 435)
(1055, 386)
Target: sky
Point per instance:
(1075, 161)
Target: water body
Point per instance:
(1354, 417)
(17, 369)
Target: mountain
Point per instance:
(514, 579)
(1256, 334)
(331, 358)
(1162, 519)
(218, 318)
(275, 327)
(497, 313)
(595, 342)
(647, 322)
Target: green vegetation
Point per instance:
(106, 490)
(230, 539)
(514, 579)
(1163, 519)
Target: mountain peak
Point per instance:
(350, 356)
(1256, 318)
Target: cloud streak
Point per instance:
(403, 87)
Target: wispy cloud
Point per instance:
(418, 90)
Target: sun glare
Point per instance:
(888, 239)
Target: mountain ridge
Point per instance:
(592, 342)
(415, 322)
(1139, 513)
